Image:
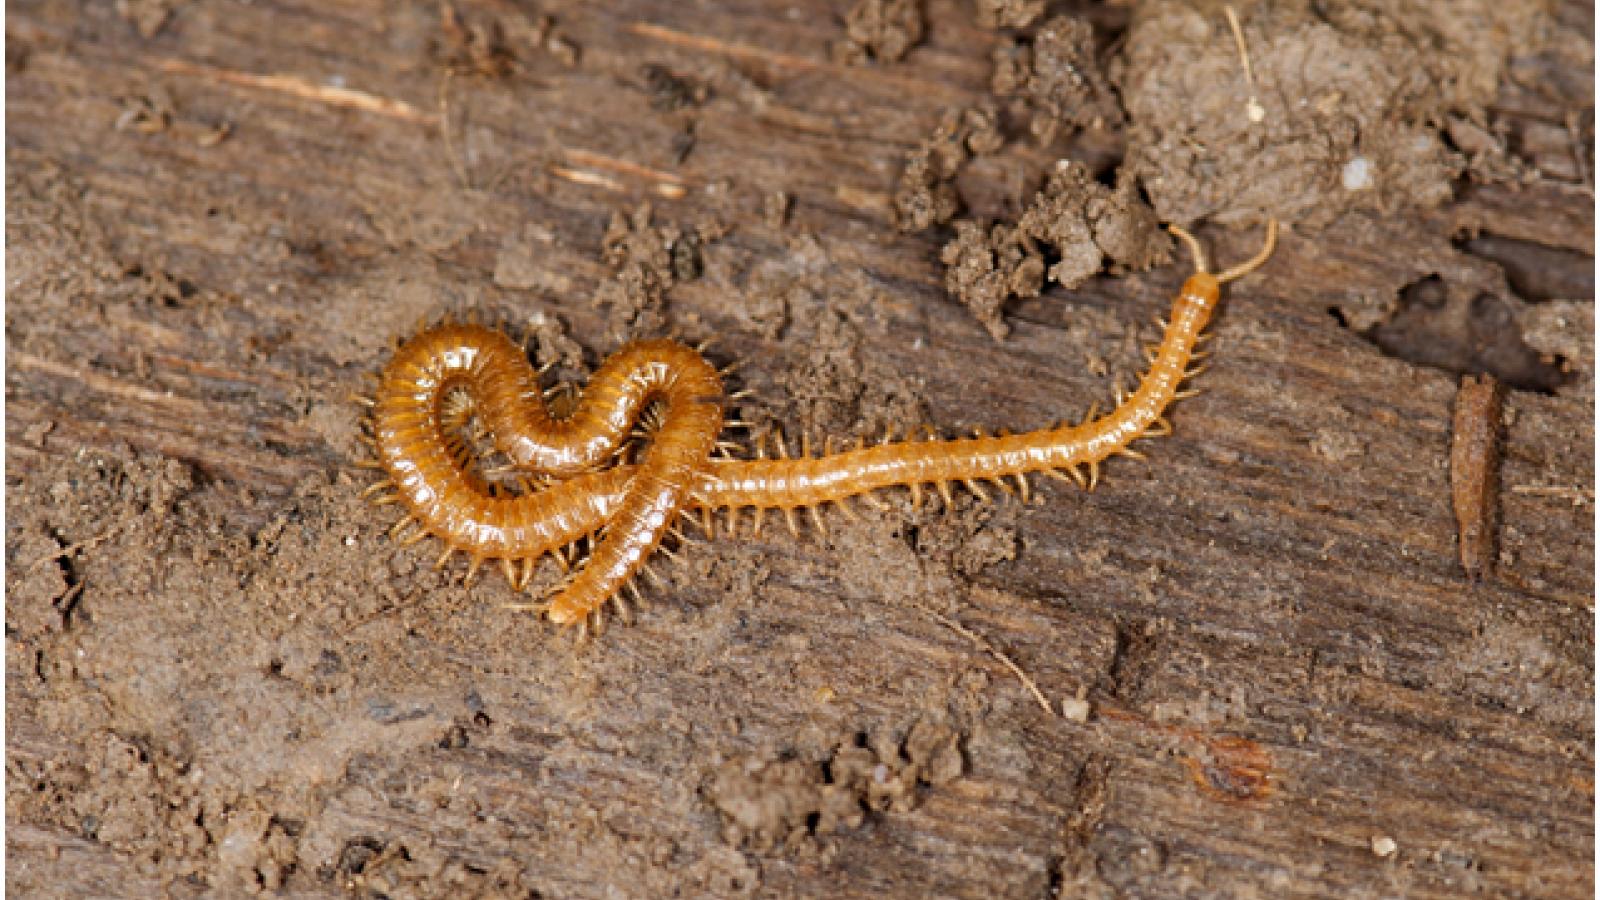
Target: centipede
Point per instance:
(575, 471)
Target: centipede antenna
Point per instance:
(1254, 262)
(1195, 250)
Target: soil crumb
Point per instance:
(768, 803)
(1338, 109)
(925, 196)
(1074, 227)
(880, 31)
(647, 260)
(1009, 13)
(1058, 74)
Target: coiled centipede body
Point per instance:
(589, 489)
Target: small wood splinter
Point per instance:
(584, 489)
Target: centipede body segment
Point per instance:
(580, 479)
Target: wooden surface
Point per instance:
(1292, 687)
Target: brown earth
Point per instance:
(1268, 674)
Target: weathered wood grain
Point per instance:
(1285, 666)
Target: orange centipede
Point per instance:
(587, 485)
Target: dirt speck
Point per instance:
(880, 31)
(148, 17)
(472, 44)
(1009, 13)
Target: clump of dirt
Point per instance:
(836, 389)
(1073, 228)
(768, 803)
(984, 267)
(1009, 13)
(925, 196)
(1058, 74)
(647, 261)
(880, 30)
(1338, 108)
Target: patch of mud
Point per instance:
(1057, 73)
(769, 803)
(1339, 110)
(1074, 228)
(925, 195)
(880, 31)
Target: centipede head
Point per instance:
(1202, 282)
